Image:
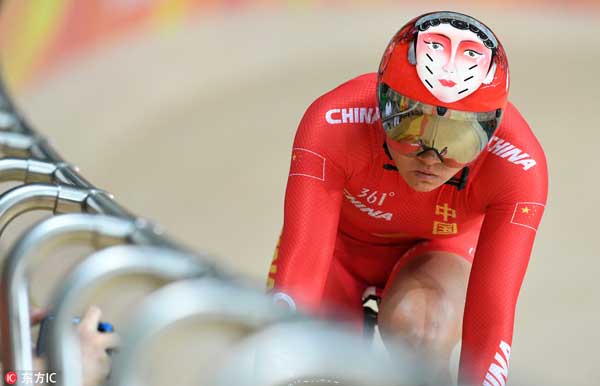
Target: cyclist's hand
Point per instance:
(94, 346)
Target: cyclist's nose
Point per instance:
(429, 157)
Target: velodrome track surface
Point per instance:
(193, 129)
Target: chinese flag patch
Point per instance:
(528, 214)
(307, 163)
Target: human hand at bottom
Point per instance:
(94, 345)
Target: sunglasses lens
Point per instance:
(459, 135)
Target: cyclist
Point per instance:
(422, 180)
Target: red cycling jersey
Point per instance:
(344, 198)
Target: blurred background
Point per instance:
(185, 110)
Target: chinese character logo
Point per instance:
(445, 227)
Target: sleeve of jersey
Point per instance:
(503, 251)
(311, 213)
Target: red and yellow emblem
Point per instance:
(445, 227)
(307, 163)
(528, 214)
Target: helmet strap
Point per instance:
(461, 181)
(412, 56)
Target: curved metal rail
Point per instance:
(64, 353)
(26, 170)
(54, 185)
(56, 198)
(207, 299)
(97, 231)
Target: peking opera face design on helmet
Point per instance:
(454, 56)
(443, 85)
(451, 62)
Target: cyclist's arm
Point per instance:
(499, 266)
(312, 207)
(496, 276)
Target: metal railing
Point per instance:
(203, 300)
(105, 265)
(50, 183)
(96, 231)
(54, 185)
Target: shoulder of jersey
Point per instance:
(344, 121)
(353, 103)
(514, 145)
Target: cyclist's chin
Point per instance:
(422, 175)
(421, 184)
(422, 178)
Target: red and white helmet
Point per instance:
(443, 84)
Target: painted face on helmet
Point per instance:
(452, 63)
